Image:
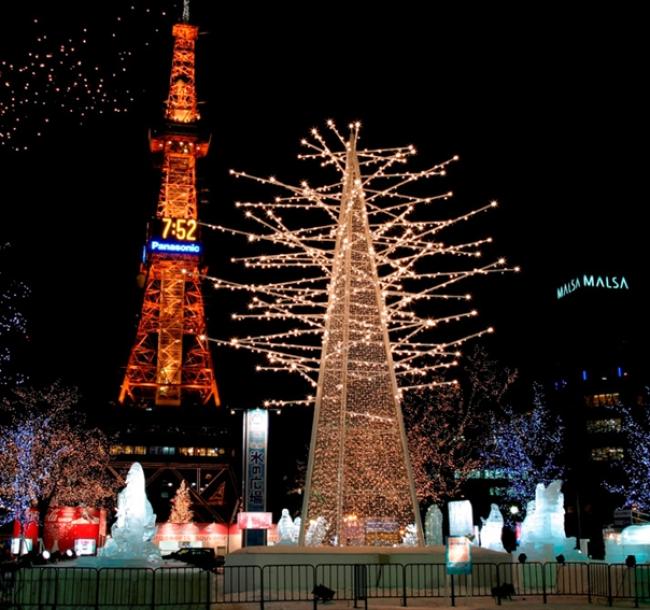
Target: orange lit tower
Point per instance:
(170, 359)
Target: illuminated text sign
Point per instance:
(171, 247)
(609, 282)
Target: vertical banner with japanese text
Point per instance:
(256, 431)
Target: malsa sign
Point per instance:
(608, 282)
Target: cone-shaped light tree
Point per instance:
(181, 511)
(352, 319)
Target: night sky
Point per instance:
(548, 117)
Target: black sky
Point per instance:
(546, 109)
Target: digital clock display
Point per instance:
(180, 229)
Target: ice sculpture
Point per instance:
(316, 532)
(544, 521)
(133, 531)
(636, 534)
(296, 529)
(433, 526)
(410, 536)
(492, 529)
(461, 518)
(285, 528)
(633, 540)
(542, 532)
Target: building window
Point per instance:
(603, 400)
(162, 450)
(201, 451)
(498, 492)
(601, 426)
(606, 454)
(488, 474)
(121, 450)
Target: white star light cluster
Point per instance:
(78, 70)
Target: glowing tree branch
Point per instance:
(419, 274)
(447, 427)
(356, 284)
(526, 448)
(633, 472)
(48, 458)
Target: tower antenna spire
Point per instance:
(186, 11)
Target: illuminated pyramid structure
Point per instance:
(170, 360)
(359, 476)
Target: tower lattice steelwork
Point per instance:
(170, 359)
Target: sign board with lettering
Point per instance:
(459, 555)
(256, 430)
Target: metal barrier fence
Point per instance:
(63, 588)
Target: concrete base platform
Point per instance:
(317, 555)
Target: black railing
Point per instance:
(58, 587)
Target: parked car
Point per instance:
(204, 558)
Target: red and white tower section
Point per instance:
(170, 361)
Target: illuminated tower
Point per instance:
(359, 476)
(170, 359)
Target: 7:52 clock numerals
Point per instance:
(183, 229)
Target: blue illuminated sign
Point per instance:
(609, 282)
(158, 246)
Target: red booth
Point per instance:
(65, 524)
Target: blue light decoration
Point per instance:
(526, 447)
(633, 471)
(584, 374)
(159, 246)
(619, 371)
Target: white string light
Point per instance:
(412, 261)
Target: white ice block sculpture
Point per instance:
(492, 529)
(433, 526)
(633, 540)
(133, 531)
(542, 532)
(461, 518)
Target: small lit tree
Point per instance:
(633, 471)
(48, 458)
(445, 427)
(526, 448)
(181, 505)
